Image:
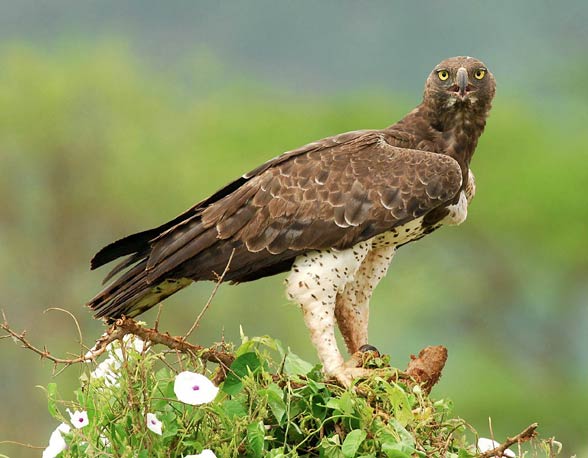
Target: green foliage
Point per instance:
(265, 408)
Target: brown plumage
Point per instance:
(332, 194)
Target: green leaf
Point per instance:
(315, 386)
(168, 390)
(171, 431)
(294, 365)
(394, 453)
(248, 344)
(405, 437)
(352, 442)
(317, 406)
(330, 447)
(162, 374)
(232, 385)
(234, 408)
(255, 439)
(399, 399)
(192, 444)
(343, 404)
(275, 399)
(80, 397)
(52, 399)
(247, 362)
(276, 453)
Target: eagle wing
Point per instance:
(139, 244)
(330, 194)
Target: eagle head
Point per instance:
(460, 84)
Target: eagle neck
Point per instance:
(453, 131)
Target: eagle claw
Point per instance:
(345, 374)
(367, 347)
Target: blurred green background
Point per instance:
(115, 117)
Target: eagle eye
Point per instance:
(480, 73)
(443, 75)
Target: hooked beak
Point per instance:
(462, 81)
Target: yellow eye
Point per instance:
(443, 75)
(480, 73)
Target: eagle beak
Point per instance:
(462, 81)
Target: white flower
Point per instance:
(78, 419)
(206, 453)
(108, 370)
(153, 423)
(133, 342)
(56, 442)
(130, 342)
(485, 445)
(194, 389)
(104, 440)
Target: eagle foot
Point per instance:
(345, 375)
(358, 366)
(364, 357)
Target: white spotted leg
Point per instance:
(317, 277)
(352, 304)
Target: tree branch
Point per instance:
(426, 368)
(525, 435)
(130, 326)
(117, 331)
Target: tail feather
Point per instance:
(107, 303)
(125, 263)
(131, 294)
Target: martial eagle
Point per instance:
(332, 212)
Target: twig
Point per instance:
(209, 301)
(525, 435)
(67, 312)
(490, 428)
(21, 444)
(45, 354)
(117, 331)
(130, 326)
(156, 325)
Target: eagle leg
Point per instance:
(352, 319)
(352, 304)
(316, 279)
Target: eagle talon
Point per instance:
(345, 374)
(369, 348)
(362, 357)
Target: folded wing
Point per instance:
(329, 194)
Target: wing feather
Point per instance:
(332, 193)
(370, 187)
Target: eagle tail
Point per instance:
(132, 294)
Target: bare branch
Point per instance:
(130, 326)
(43, 353)
(117, 331)
(525, 435)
